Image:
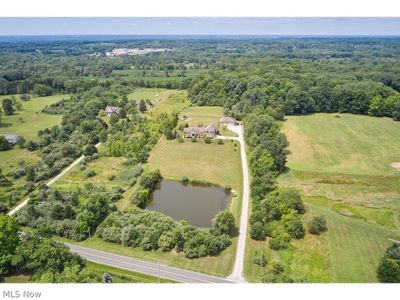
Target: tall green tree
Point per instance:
(8, 107)
(9, 241)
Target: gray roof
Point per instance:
(227, 120)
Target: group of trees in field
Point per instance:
(152, 230)
(67, 214)
(145, 188)
(389, 266)
(38, 256)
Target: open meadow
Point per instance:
(342, 167)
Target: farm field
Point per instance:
(342, 168)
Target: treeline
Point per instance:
(152, 230)
(43, 259)
(300, 87)
(74, 215)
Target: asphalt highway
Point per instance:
(145, 267)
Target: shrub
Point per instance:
(224, 223)
(259, 258)
(90, 173)
(389, 266)
(276, 267)
(185, 180)
(294, 228)
(279, 241)
(257, 231)
(317, 225)
(207, 140)
(220, 141)
(32, 146)
(194, 140)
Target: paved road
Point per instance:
(140, 266)
(237, 274)
(66, 170)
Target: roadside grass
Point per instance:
(355, 246)
(122, 276)
(351, 144)
(214, 265)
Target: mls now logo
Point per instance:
(18, 294)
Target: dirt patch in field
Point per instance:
(396, 166)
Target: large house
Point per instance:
(210, 131)
(12, 139)
(228, 121)
(111, 110)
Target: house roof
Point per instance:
(112, 109)
(227, 120)
(210, 127)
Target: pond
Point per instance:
(196, 204)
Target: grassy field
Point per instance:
(342, 168)
(163, 100)
(351, 144)
(27, 123)
(109, 171)
(355, 246)
(214, 163)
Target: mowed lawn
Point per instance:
(203, 115)
(214, 163)
(351, 144)
(355, 247)
(342, 168)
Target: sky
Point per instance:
(196, 25)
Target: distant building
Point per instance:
(112, 110)
(228, 120)
(210, 131)
(12, 139)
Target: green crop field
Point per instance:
(342, 167)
